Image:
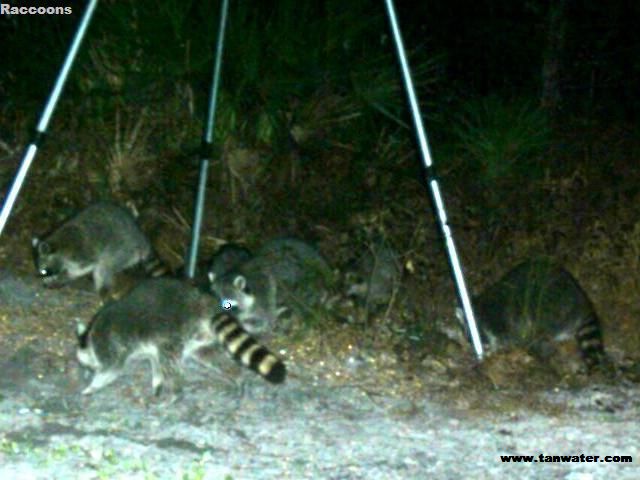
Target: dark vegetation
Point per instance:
(532, 114)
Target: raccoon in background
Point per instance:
(374, 276)
(536, 303)
(228, 257)
(285, 274)
(102, 240)
(165, 321)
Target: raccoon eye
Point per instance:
(229, 304)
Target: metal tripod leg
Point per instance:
(41, 129)
(434, 188)
(207, 144)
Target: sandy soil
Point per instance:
(229, 424)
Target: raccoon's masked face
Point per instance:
(48, 264)
(52, 266)
(238, 298)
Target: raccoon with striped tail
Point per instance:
(165, 321)
(536, 304)
(102, 240)
(285, 275)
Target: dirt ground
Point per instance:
(343, 413)
(396, 397)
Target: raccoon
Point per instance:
(103, 240)
(123, 282)
(374, 276)
(536, 303)
(166, 321)
(285, 274)
(227, 258)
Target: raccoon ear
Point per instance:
(34, 242)
(240, 283)
(212, 278)
(43, 248)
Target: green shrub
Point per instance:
(502, 140)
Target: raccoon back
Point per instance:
(104, 229)
(535, 298)
(102, 233)
(295, 266)
(161, 303)
(536, 302)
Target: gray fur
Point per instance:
(536, 303)
(285, 274)
(375, 275)
(165, 321)
(102, 240)
(227, 258)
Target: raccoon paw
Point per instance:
(88, 391)
(158, 387)
(166, 394)
(100, 380)
(81, 327)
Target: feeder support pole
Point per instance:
(207, 146)
(47, 113)
(432, 182)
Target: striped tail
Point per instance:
(246, 350)
(590, 343)
(154, 266)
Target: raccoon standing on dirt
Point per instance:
(103, 240)
(285, 274)
(165, 321)
(535, 303)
